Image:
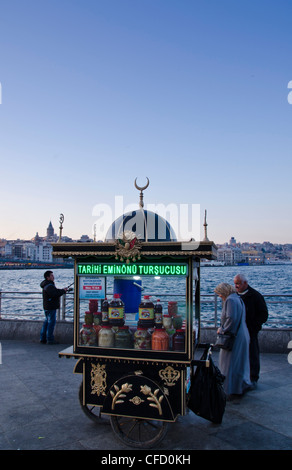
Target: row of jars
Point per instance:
(146, 303)
(150, 314)
(121, 337)
(166, 321)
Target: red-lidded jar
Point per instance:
(160, 340)
(88, 318)
(142, 338)
(93, 305)
(123, 338)
(177, 322)
(172, 308)
(178, 340)
(167, 321)
(106, 337)
(87, 335)
(97, 322)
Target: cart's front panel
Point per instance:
(139, 388)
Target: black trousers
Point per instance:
(254, 357)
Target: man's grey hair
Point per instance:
(242, 277)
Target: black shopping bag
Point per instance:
(206, 397)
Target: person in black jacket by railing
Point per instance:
(256, 315)
(51, 302)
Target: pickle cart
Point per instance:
(136, 329)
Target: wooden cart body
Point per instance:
(145, 384)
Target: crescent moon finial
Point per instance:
(141, 189)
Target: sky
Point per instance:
(192, 94)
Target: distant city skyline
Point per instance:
(53, 232)
(194, 95)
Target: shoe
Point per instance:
(43, 341)
(52, 342)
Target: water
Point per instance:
(269, 279)
(22, 280)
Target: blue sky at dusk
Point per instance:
(192, 94)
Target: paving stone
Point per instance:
(40, 409)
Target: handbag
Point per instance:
(226, 340)
(206, 397)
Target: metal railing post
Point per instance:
(63, 306)
(215, 309)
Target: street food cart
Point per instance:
(136, 330)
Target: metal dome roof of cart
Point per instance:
(147, 225)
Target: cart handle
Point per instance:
(206, 362)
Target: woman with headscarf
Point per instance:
(234, 364)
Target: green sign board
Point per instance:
(145, 269)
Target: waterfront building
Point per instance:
(43, 252)
(230, 255)
(36, 249)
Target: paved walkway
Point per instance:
(39, 408)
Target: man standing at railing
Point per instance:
(256, 315)
(51, 302)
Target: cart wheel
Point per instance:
(91, 411)
(141, 433)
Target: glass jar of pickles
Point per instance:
(167, 321)
(160, 340)
(87, 335)
(177, 322)
(179, 340)
(96, 318)
(93, 305)
(142, 338)
(88, 318)
(172, 308)
(106, 337)
(123, 338)
(96, 322)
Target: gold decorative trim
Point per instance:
(169, 376)
(136, 400)
(125, 388)
(152, 397)
(98, 379)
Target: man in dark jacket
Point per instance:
(51, 302)
(256, 315)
